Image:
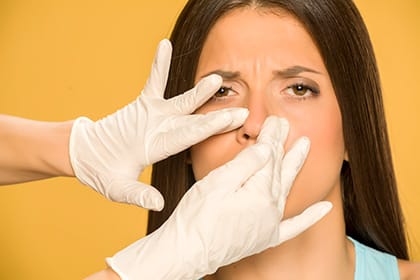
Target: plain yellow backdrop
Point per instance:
(63, 59)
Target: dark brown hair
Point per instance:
(372, 210)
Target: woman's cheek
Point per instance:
(320, 173)
(213, 152)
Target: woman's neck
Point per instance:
(321, 252)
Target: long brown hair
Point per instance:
(372, 210)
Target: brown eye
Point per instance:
(223, 91)
(300, 90)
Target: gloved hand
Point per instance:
(108, 155)
(234, 212)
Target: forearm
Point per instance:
(106, 274)
(33, 150)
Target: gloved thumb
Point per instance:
(137, 193)
(294, 226)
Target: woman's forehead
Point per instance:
(245, 35)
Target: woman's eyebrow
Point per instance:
(293, 71)
(226, 75)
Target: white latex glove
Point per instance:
(108, 155)
(234, 212)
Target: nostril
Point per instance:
(246, 136)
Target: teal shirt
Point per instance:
(372, 264)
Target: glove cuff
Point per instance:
(78, 132)
(111, 264)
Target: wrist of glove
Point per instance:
(234, 212)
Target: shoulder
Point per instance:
(409, 270)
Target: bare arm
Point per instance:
(32, 150)
(106, 274)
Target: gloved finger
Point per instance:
(261, 181)
(156, 83)
(276, 184)
(137, 193)
(294, 226)
(231, 176)
(192, 129)
(290, 167)
(274, 131)
(191, 100)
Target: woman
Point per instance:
(311, 62)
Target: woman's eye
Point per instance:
(300, 90)
(223, 91)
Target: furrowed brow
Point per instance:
(294, 71)
(226, 75)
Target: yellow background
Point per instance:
(62, 59)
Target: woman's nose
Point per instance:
(249, 132)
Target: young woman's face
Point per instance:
(271, 66)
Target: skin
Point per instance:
(106, 274)
(312, 110)
(33, 150)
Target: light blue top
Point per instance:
(372, 264)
